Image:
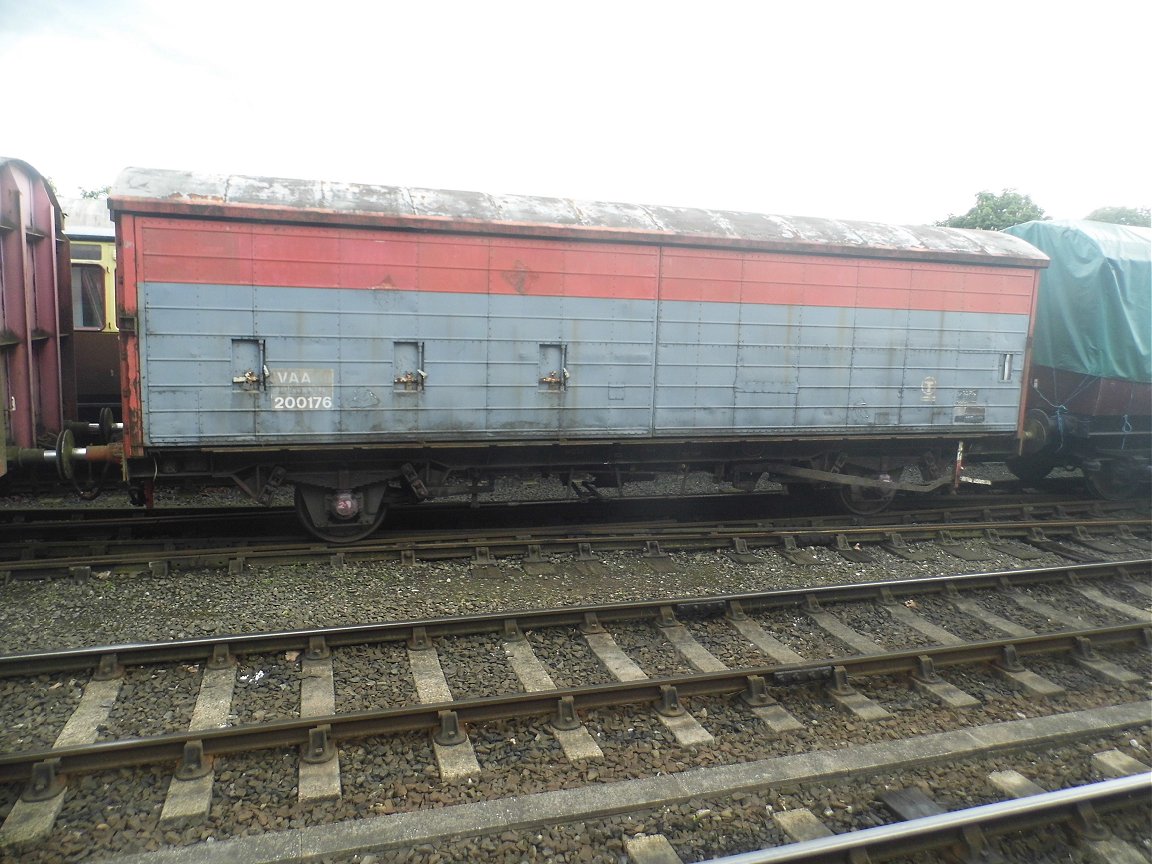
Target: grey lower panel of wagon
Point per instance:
(230, 364)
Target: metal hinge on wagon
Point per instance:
(410, 382)
(553, 376)
(556, 380)
(249, 354)
(250, 380)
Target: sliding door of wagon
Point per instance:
(733, 335)
(698, 335)
(767, 381)
(570, 334)
(202, 363)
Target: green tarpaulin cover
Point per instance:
(1094, 314)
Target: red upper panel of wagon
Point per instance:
(268, 199)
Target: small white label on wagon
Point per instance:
(301, 389)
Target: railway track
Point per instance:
(63, 553)
(174, 517)
(711, 704)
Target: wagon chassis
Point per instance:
(343, 493)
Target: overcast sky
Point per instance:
(888, 111)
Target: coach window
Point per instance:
(88, 296)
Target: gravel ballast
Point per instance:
(257, 793)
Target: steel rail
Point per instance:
(922, 518)
(62, 517)
(218, 649)
(934, 508)
(665, 693)
(1078, 805)
(566, 540)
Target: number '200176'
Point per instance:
(296, 403)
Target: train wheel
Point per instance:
(863, 501)
(311, 508)
(90, 481)
(1030, 469)
(1111, 482)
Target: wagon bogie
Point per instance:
(342, 514)
(1115, 477)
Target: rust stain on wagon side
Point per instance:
(520, 278)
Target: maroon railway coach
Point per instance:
(37, 378)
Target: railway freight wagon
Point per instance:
(37, 388)
(1089, 399)
(375, 344)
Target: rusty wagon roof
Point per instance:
(144, 190)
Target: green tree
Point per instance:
(997, 212)
(102, 192)
(1122, 215)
